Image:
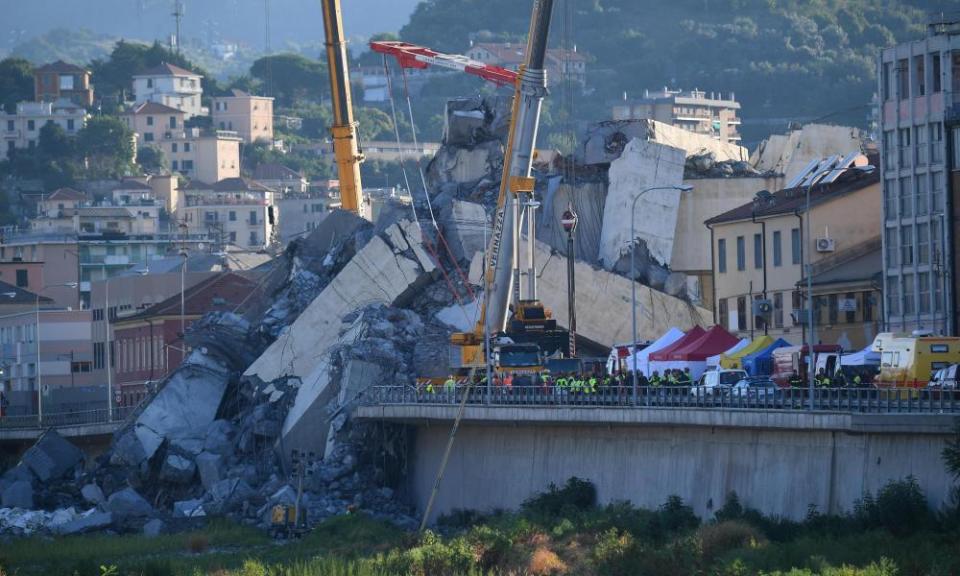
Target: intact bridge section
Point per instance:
(779, 456)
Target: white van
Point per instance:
(717, 382)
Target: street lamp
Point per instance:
(39, 369)
(183, 270)
(812, 335)
(569, 221)
(633, 273)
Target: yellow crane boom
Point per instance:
(346, 145)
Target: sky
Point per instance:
(297, 21)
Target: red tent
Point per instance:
(714, 341)
(662, 355)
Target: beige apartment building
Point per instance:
(249, 116)
(207, 156)
(171, 86)
(238, 212)
(695, 111)
(21, 130)
(759, 250)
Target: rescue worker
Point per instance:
(822, 380)
(450, 385)
(795, 381)
(685, 378)
(430, 389)
(655, 380)
(857, 381)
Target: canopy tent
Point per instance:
(714, 361)
(695, 333)
(642, 358)
(862, 358)
(735, 361)
(760, 363)
(694, 353)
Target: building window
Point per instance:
(834, 309)
(31, 125)
(148, 137)
(175, 165)
(777, 249)
(778, 310)
(758, 251)
(233, 237)
(906, 197)
(722, 255)
(742, 313)
(306, 208)
(850, 307)
(903, 78)
(210, 216)
(889, 146)
(71, 125)
(233, 216)
(921, 145)
(173, 122)
(254, 240)
(906, 246)
(149, 120)
(173, 148)
(23, 280)
(797, 308)
(892, 247)
(741, 253)
(923, 243)
(924, 293)
(936, 143)
(186, 146)
(867, 298)
(904, 149)
(795, 241)
(936, 191)
(887, 73)
(187, 164)
(919, 76)
(724, 314)
(920, 202)
(909, 303)
(935, 72)
(149, 82)
(253, 218)
(890, 199)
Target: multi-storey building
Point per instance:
(210, 156)
(302, 213)
(919, 88)
(760, 250)
(60, 80)
(171, 86)
(249, 116)
(282, 179)
(21, 130)
(561, 64)
(695, 111)
(238, 212)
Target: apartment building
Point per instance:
(282, 179)
(251, 117)
(302, 213)
(197, 154)
(239, 212)
(21, 130)
(919, 113)
(62, 81)
(694, 111)
(171, 86)
(760, 248)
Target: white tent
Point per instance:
(862, 358)
(714, 361)
(641, 360)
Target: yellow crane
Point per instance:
(346, 144)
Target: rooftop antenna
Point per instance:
(178, 16)
(266, 7)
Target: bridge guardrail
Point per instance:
(858, 400)
(66, 419)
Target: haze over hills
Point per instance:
(297, 21)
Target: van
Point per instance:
(911, 362)
(717, 382)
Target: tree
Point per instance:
(54, 142)
(152, 159)
(16, 83)
(291, 78)
(951, 453)
(107, 146)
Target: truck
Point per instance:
(795, 360)
(911, 361)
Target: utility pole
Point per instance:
(267, 48)
(178, 17)
(569, 221)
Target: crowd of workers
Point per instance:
(822, 380)
(575, 383)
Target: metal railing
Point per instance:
(855, 400)
(67, 419)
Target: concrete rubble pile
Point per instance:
(260, 406)
(706, 165)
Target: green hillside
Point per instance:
(785, 59)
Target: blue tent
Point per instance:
(761, 363)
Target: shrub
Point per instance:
(675, 517)
(253, 568)
(576, 496)
(197, 543)
(899, 507)
(614, 553)
(718, 539)
(490, 546)
(431, 557)
(544, 562)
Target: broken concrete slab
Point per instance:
(177, 469)
(789, 154)
(605, 141)
(18, 495)
(219, 438)
(188, 509)
(587, 200)
(153, 528)
(128, 503)
(91, 521)
(642, 167)
(51, 456)
(210, 466)
(357, 377)
(375, 275)
(92, 494)
(464, 228)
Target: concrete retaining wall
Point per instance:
(777, 471)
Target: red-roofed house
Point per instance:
(171, 86)
(150, 345)
(52, 82)
(250, 116)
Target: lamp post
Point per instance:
(183, 270)
(811, 333)
(569, 222)
(39, 369)
(633, 272)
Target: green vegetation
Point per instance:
(74, 45)
(561, 531)
(16, 83)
